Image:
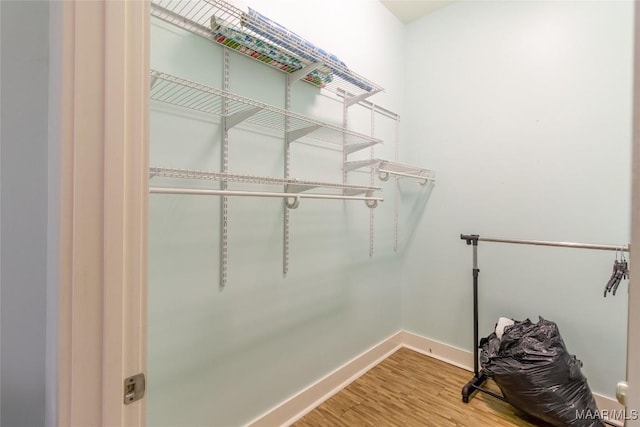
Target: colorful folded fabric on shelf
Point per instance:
(265, 52)
(286, 39)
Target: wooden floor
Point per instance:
(411, 389)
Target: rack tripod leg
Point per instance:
(473, 384)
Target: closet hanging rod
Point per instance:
(208, 192)
(473, 237)
(384, 175)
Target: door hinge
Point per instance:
(134, 388)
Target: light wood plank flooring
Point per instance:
(411, 389)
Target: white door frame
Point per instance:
(104, 190)
(633, 324)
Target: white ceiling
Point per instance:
(410, 10)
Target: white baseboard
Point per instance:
(447, 353)
(608, 405)
(302, 403)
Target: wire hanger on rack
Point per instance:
(620, 272)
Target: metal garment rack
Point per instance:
(479, 377)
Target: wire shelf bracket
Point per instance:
(355, 99)
(357, 147)
(297, 75)
(239, 117)
(358, 164)
(294, 135)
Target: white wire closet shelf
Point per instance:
(386, 168)
(292, 188)
(187, 94)
(256, 36)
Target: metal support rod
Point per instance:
(489, 392)
(224, 167)
(371, 181)
(476, 273)
(478, 377)
(558, 244)
(287, 173)
(208, 192)
(396, 185)
(345, 124)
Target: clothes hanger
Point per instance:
(620, 272)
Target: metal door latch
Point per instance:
(622, 389)
(134, 388)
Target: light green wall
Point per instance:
(524, 111)
(224, 358)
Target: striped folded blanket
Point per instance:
(289, 40)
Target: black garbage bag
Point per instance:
(537, 375)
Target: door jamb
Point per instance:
(103, 135)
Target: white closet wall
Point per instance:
(524, 111)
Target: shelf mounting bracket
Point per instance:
(352, 148)
(237, 118)
(349, 166)
(295, 188)
(299, 133)
(357, 98)
(297, 75)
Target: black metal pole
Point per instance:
(478, 378)
(476, 338)
(472, 239)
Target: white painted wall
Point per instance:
(224, 358)
(524, 111)
(23, 255)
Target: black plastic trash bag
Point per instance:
(537, 375)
